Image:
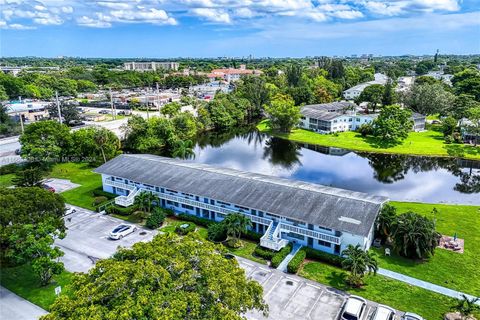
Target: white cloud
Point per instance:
(213, 15)
(99, 21)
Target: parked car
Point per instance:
(103, 112)
(121, 231)
(76, 123)
(18, 151)
(383, 313)
(353, 308)
(47, 187)
(69, 210)
(411, 316)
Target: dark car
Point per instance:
(47, 187)
(18, 151)
(76, 123)
(103, 112)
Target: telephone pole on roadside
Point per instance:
(58, 108)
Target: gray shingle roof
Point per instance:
(326, 111)
(334, 208)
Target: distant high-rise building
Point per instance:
(150, 66)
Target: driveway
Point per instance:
(87, 239)
(16, 308)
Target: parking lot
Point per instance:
(293, 297)
(87, 239)
(288, 296)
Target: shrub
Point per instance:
(323, 256)
(155, 219)
(101, 193)
(169, 212)
(121, 210)
(457, 137)
(99, 200)
(216, 232)
(448, 139)
(280, 255)
(9, 168)
(200, 221)
(186, 230)
(251, 235)
(296, 261)
(263, 252)
(365, 129)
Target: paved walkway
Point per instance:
(15, 307)
(283, 265)
(423, 284)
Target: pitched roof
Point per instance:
(326, 111)
(334, 208)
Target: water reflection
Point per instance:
(399, 177)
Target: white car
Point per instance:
(121, 231)
(383, 313)
(353, 308)
(411, 316)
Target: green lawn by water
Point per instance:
(24, 282)
(446, 268)
(383, 290)
(82, 174)
(428, 143)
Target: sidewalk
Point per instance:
(283, 265)
(15, 307)
(424, 284)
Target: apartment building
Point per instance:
(150, 66)
(321, 217)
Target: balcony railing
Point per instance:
(281, 227)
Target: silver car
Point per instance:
(383, 313)
(353, 308)
(121, 231)
(411, 316)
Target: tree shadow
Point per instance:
(379, 143)
(460, 150)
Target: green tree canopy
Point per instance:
(283, 113)
(95, 145)
(167, 278)
(428, 99)
(372, 94)
(393, 124)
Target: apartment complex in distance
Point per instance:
(354, 92)
(343, 116)
(150, 66)
(232, 74)
(321, 217)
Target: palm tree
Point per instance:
(415, 236)
(358, 261)
(236, 224)
(386, 221)
(144, 201)
(466, 306)
(183, 149)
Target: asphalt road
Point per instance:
(13, 307)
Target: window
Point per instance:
(334, 121)
(323, 228)
(223, 203)
(186, 206)
(313, 120)
(172, 191)
(302, 117)
(324, 243)
(358, 119)
(350, 119)
(296, 236)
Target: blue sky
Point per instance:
(211, 28)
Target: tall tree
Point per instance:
(386, 221)
(393, 124)
(235, 225)
(69, 112)
(283, 113)
(31, 176)
(167, 278)
(389, 96)
(183, 149)
(95, 145)
(372, 94)
(428, 99)
(294, 74)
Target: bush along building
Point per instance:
(321, 217)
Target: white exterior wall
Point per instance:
(341, 123)
(352, 239)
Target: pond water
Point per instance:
(399, 177)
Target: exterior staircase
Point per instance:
(271, 238)
(126, 201)
(283, 265)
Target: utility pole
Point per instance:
(20, 116)
(158, 101)
(58, 108)
(111, 103)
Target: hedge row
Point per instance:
(121, 210)
(101, 193)
(263, 253)
(296, 261)
(280, 255)
(199, 221)
(252, 235)
(323, 256)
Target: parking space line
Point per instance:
(270, 291)
(264, 281)
(248, 264)
(263, 269)
(314, 286)
(315, 303)
(294, 280)
(293, 295)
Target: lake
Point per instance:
(399, 177)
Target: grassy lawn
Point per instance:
(428, 143)
(6, 180)
(446, 268)
(246, 251)
(24, 282)
(82, 174)
(383, 290)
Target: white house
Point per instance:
(354, 92)
(333, 117)
(321, 217)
